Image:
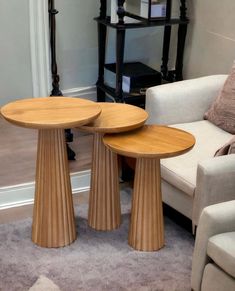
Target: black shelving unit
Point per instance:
(103, 21)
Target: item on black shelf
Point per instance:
(153, 9)
(148, 9)
(137, 77)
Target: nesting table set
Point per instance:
(118, 129)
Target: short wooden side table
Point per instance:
(148, 144)
(104, 201)
(53, 215)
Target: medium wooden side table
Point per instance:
(53, 215)
(104, 200)
(148, 144)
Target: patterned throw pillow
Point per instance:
(222, 110)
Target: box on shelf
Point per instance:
(149, 9)
(137, 77)
(153, 9)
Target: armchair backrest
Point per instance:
(183, 101)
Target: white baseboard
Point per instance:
(23, 194)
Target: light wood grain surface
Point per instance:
(117, 117)
(104, 202)
(148, 144)
(19, 148)
(146, 232)
(53, 215)
(50, 112)
(151, 141)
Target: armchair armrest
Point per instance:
(183, 101)
(215, 219)
(215, 183)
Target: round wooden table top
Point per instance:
(150, 141)
(117, 117)
(51, 112)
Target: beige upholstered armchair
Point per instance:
(213, 266)
(196, 179)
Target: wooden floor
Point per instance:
(18, 153)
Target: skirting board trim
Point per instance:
(23, 194)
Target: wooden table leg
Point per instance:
(53, 217)
(146, 231)
(104, 201)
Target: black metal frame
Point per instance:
(54, 73)
(103, 22)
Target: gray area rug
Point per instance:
(96, 260)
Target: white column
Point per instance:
(40, 47)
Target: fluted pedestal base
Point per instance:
(53, 217)
(146, 228)
(104, 201)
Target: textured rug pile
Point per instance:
(96, 260)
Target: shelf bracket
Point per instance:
(121, 11)
(103, 8)
(183, 10)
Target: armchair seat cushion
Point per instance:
(221, 249)
(181, 171)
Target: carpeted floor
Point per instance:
(96, 260)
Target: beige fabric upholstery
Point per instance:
(221, 249)
(215, 183)
(44, 284)
(197, 175)
(215, 280)
(215, 219)
(177, 199)
(181, 171)
(177, 102)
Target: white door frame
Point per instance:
(39, 47)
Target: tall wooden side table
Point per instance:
(104, 201)
(53, 215)
(148, 144)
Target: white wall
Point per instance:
(77, 42)
(210, 47)
(15, 65)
